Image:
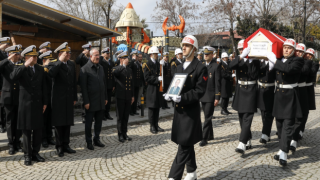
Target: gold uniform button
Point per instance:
(126, 88)
(282, 73)
(241, 71)
(277, 81)
(177, 105)
(181, 107)
(277, 89)
(266, 81)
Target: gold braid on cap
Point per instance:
(6, 41)
(15, 50)
(206, 51)
(65, 49)
(32, 53)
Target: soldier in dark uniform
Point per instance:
(3, 55)
(212, 96)
(117, 61)
(175, 62)
(245, 99)
(141, 82)
(226, 83)
(107, 65)
(186, 126)
(84, 57)
(286, 106)
(200, 54)
(47, 135)
(32, 103)
(64, 96)
(4, 44)
(124, 94)
(44, 47)
(136, 73)
(166, 78)
(10, 98)
(151, 71)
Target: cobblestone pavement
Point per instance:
(150, 156)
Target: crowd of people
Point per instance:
(39, 92)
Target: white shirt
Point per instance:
(186, 64)
(225, 62)
(179, 60)
(154, 61)
(284, 60)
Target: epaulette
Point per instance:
(219, 94)
(54, 60)
(46, 69)
(145, 65)
(173, 63)
(19, 64)
(202, 62)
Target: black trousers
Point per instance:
(47, 128)
(98, 116)
(245, 124)
(185, 157)
(13, 133)
(208, 110)
(267, 120)
(134, 104)
(285, 129)
(2, 117)
(108, 105)
(224, 103)
(34, 137)
(123, 110)
(299, 124)
(153, 115)
(62, 134)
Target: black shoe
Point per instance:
(27, 161)
(126, 137)
(203, 143)
(228, 111)
(51, 142)
(60, 152)
(45, 144)
(293, 149)
(263, 141)
(3, 129)
(159, 129)
(223, 112)
(153, 130)
(98, 143)
(282, 162)
(248, 147)
(12, 151)
(121, 139)
(299, 137)
(18, 148)
(67, 149)
(239, 151)
(90, 146)
(136, 113)
(104, 118)
(37, 158)
(109, 117)
(276, 157)
(131, 114)
(213, 117)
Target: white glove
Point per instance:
(272, 57)
(162, 62)
(166, 97)
(177, 99)
(245, 52)
(233, 75)
(160, 78)
(218, 59)
(271, 65)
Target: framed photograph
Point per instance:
(176, 84)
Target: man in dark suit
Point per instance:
(10, 98)
(151, 72)
(124, 94)
(32, 103)
(107, 65)
(212, 96)
(136, 73)
(95, 97)
(167, 77)
(140, 80)
(84, 57)
(226, 83)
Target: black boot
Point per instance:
(121, 139)
(98, 143)
(45, 144)
(89, 146)
(60, 152)
(27, 161)
(109, 117)
(67, 149)
(126, 137)
(37, 158)
(228, 111)
(51, 142)
(203, 143)
(153, 129)
(223, 112)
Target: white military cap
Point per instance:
(30, 51)
(20, 47)
(133, 52)
(208, 50)
(118, 52)
(62, 48)
(200, 53)
(87, 46)
(46, 55)
(45, 45)
(105, 50)
(123, 54)
(5, 40)
(13, 49)
(165, 53)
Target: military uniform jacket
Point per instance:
(10, 87)
(286, 101)
(138, 79)
(213, 83)
(226, 80)
(124, 82)
(107, 67)
(245, 98)
(311, 79)
(151, 72)
(82, 59)
(134, 70)
(303, 91)
(167, 76)
(64, 92)
(32, 96)
(266, 94)
(3, 55)
(117, 63)
(174, 64)
(186, 125)
(93, 86)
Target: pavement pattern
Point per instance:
(150, 156)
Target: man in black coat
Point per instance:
(107, 65)
(151, 72)
(226, 83)
(167, 77)
(44, 47)
(175, 62)
(117, 61)
(10, 98)
(186, 125)
(84, 57)
(245, 99)
(95, 97)
(140, 81)
(64, 97)
(32, 103)
(125, 95)
(136, 73)
(212, 96)
(286, 106)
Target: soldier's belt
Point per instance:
(303, 84)
(287, 86)
(245, 83)
(266, 84)
(309, 84)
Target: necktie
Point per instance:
(31, 71)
